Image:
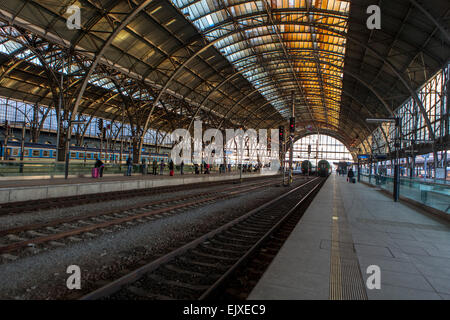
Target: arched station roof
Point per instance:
(229, 62)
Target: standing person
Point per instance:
(99, 165)
(182, 167)
(161, 167)
(155, 166)
(171, 168)
(129, 166)
(144, 166)
(350, 175)
(196, 168)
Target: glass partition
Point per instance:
(428, 192)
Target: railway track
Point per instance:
(200, 268)
(71, 201)
(24, 240)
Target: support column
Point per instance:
(137, 149)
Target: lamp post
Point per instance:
(7, 134)
(68, 126)
(22, 142)
(397, 144)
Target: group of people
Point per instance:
(350, 173)
(100, 166)
(161, 166)
(204, 167)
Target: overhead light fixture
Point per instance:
(170, 22)
(158, 8)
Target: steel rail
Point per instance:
(131, 277)
(60, 235)
(56, 222)
(62, 202)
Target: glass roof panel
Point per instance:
(281, 46)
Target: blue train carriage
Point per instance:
(32, 151)
(42, 152)
(323, 168)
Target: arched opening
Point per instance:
(317, 147)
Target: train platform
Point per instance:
(348, 231)
(36, 189)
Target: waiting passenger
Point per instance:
(171, 167)
(196, 168)
(350, 175)
(144, 166)
(155, 167)
(129, 166)
(161, 167)
(182, 167)
(99, 165)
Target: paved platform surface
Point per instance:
(13, 183)
(24, 190)
(348, 228)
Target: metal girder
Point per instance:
(360, 80)
(288, 57)
(105, 45)
(338, 136)
(432, 19)
(379, 56)
(292, 10)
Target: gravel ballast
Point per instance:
(110, 255)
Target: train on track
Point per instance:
(41, 152)
(305, 167)
(323, 168)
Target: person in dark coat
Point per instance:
(100, 165)
(129, 166)
(155, 167)
(161, 167)
(350, 175)
(197, 171)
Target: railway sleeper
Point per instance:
(174, 268)
(210, 247)
(140, 292)
(175, 283)
(216, 265)
(197, 251)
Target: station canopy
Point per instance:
(230, 63)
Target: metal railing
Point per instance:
(13, 169)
